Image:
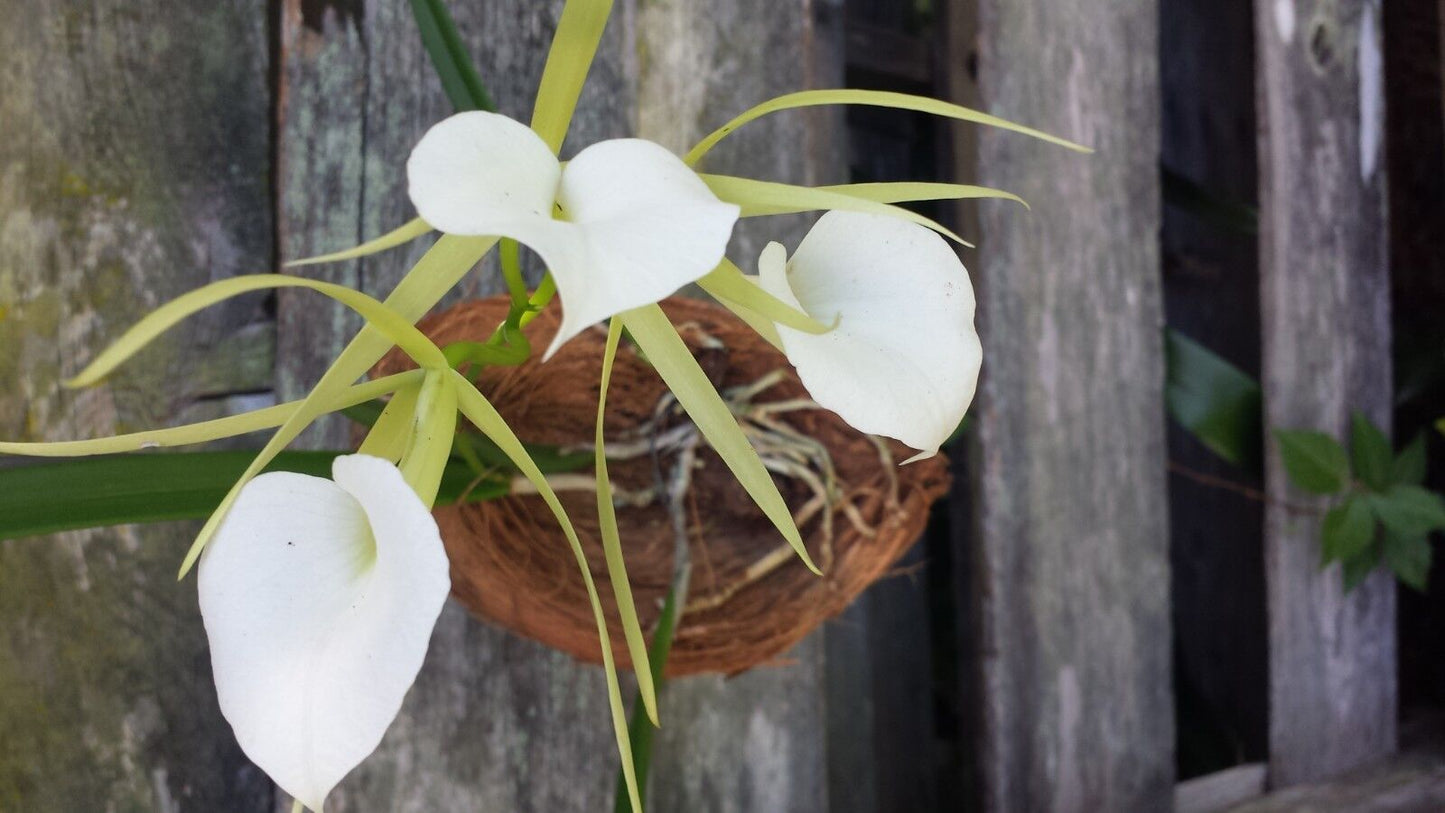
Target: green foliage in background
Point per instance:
(1384, 512)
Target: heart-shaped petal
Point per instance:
(482, 173)
(638, 222)
(319, 600)
(904, 359)
(648, 224)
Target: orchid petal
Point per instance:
(647, 225)
(904, 359)
(482, 173)
(319, 599)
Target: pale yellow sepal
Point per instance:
(204, 431)
(399, 330)
(757, 197)
(612, 540)
(408, 232)
(438, 271)
(659, 341)
(485, 417)
(870, 98)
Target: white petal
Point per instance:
(647, 225)
(904, 359)
(319, 599)
(482, 173)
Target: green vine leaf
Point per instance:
(1371, 452)
(1409, 556)
(1409, 466)
(1347, 530)
(1353, 571)
(1214, 400)
(1410, 510)
(1314, 461)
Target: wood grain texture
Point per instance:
(1072, 547)
(1326, 337)
(493, 723)
(755, 742)
(134, 167)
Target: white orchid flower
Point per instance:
(319, 599)
(635, 223)
(903, 360)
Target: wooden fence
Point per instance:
(1057, 620)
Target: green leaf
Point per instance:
(95, 492)
(659, 341)
(612, 540)
(1409, 556)
(1371, 452)
(1410, 510)
(575, 44)
(1353, 571)
(640, 729)
(1215, 401)
(449, 57)
(1409, 467)
(760, 196)
(869, 98)
(1314, 461)
(1347, 530)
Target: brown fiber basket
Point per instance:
(748, 598)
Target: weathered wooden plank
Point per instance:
(1408, 783)
(493, 723)
(1326, 336)
(1211, 294)
(1222, 789)
(754, 742)
(134, 167)
(1073, 577)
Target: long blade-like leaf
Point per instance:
(459, 78)
(659, 341)
(1218, 403)
(870, 98)
(640, 729)
(758, 197)
(578, 33)
(486, 418)
(121, 489)
(612, 538)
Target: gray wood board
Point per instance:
(134, 167)
(1326, 338)
(1072, 559)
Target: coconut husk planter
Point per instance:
(748, 597)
